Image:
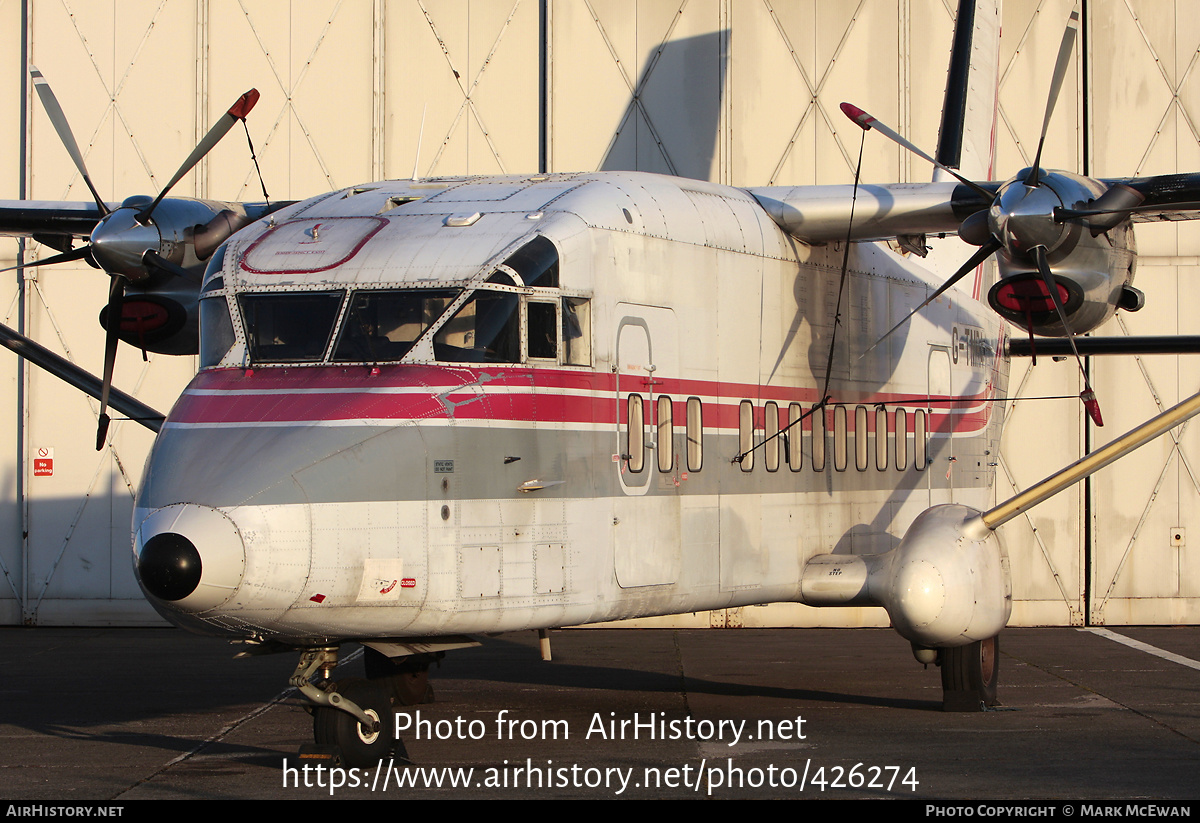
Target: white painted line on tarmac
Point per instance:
(1146, 647)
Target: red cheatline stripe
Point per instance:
(328, 395)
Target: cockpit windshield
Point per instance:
(485, 329)
(381, 326)
(289, 328)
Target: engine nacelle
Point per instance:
(947, 583)
(159, 312)
(1091, 268)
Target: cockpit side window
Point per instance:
(216, 331)
(289, 328)
(577, 331)
(381, 326)
(541, 320)
(537, 263)
(485, 329)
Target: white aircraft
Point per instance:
(429, 409)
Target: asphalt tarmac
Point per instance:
(122, 715)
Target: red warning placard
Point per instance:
(43, 462)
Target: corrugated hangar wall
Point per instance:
(743, 92)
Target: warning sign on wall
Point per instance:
(43, 462)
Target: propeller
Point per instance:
(127, 243)
(1028, 223)
(59, 121)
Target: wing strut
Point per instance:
(1123, 445)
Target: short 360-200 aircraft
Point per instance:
(429, 409)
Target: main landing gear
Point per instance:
(969, 676)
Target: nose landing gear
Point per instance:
(353, 715)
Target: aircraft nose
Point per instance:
(190, 557)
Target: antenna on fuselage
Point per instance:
(420, 136)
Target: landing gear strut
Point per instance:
(969, 676)
(353, 715)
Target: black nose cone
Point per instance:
(169, 566)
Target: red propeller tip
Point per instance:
(244, 104)
(860, 117)
(1092, 405)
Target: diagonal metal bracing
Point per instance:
(1068, 599)
(1175, 434)
(1071, 601)
(1028, 32)
(814, 90)
(468, 102)
(1176, 450)
(115, 92)
(635, 91)
(1174, 104)
(289, 92)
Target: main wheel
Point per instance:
(405, 678)
(361, 747)
(974, 668)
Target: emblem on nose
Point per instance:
(189, 556)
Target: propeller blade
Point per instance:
(59, 121)
(866, 122)
(116, 297)
(978, 257)
(65, 257)
(1060, 73)
(1090, 403)
(237, 111)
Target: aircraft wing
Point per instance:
(822, 214)
(26, 218)
(1176, 195)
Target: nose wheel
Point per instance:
(362, 744)
(351, 717)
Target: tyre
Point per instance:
(973, 669)
(360, 747)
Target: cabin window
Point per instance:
(537, 263)
(289, 328)
(542, 329)
(841, 438)
(695, 434)
(770, 441)
(577, 331)
(794, 438)
(901, 439)
(818, 438)
(881, 439)
(861, 446)
(485, 329)
(920, 452)
(746, 435)
(666, 434)
(635, 433)
(382, 326)
(216, 331)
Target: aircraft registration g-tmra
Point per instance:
(429, 409)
